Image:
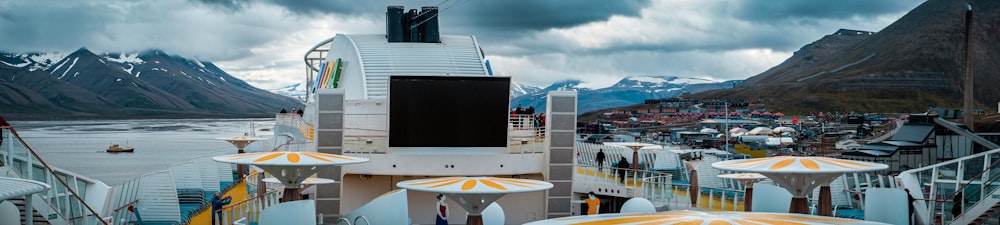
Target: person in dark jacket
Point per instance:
(622, 167)
(600, 160)
(956, 207)
(217, 204)
(3, 123)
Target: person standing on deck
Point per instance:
(593, 204)
(600, 160)
(3, 123)
(442, 211)
(956, 207)
(622, 168)
(217, 204)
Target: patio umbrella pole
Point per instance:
(799, 205)
(825, 201)
(291, 194)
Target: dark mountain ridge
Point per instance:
(913, 64)
(147, 84)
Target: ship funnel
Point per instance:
(429, 25)
(403, 25)
(394, 23)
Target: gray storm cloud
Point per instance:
(537, 41)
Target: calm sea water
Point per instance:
(79, 146)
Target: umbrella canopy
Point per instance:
(766, 113)
(241, 141)
(289, 159)
(779, 114)
(738, 130)
(760, 131)
(697, 217)
(795, 164)
(754, 113)
(242, 138)
(474, 194)
(743, 176)
(307, 181)
(747, 179)
(800, 175)
(291, 168)
(708, 130)
(475, 185)
(778, 130)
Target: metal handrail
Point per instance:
(258, 201)
(125, 205)
(914, 177)
(363, 218)
(61, 181)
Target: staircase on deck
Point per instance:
(974, 175)
(64, 202)
(37, 218)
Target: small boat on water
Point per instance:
(118, 148)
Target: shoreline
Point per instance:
(49, 117)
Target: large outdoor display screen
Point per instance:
(447, 111)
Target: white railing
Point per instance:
(249, 210)
(666, 195)
(300, 129)
(938, 185)
(63, 203)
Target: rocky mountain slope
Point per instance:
(147, 84)
(913, 64)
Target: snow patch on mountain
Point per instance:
(126, 58)
(296, 90)
(69, 68)
(19, 65)
(129, 70)
(519, 89)
(42, 61)
(649, 79)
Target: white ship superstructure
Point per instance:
(428, 106)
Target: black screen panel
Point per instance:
(446, 111)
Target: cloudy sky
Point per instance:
(536, 42)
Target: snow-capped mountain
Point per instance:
(628, 91)
(519, 89)
(296, 91)
(137, 84)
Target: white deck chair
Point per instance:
(770, 198)
(887, 205)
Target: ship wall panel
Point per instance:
(562, 156)
(564, 104)
(563, 122)
(329, 121)
(562, 139)
(561, 129)
(329, 139)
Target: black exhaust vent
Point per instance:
(413, 25)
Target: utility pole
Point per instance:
(968, 100)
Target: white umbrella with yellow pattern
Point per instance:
(698, 217)
(748, 180)
(800, 175)
(291, 168)
(241, 142)
(474, 194)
